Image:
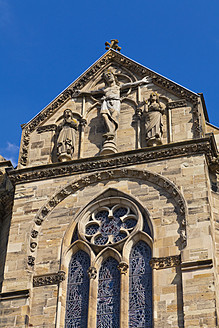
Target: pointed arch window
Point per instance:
(77, 292)
(108, 300)
(108, 224)
(140, 286)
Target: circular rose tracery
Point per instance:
(110, 224)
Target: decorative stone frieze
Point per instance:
(123, 267)
(48, 279)
(92, 272)
(191, 147)
(165, 262)
(148, 176)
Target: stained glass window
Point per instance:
(110, 224)
(78, 291)
(140, 287)
(108, 300)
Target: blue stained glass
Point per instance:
(92, 229)
(140, 287)
(100, 240)
(108, 300)
(77, 291)
(129, 223)
(120, 212)
(119, 237)
(102, 215)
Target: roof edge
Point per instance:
(204, 106)
(154, 72)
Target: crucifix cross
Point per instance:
(112, 45)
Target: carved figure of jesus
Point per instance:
(110, 106)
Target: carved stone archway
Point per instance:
(90, 179)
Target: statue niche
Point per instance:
(110, 107)
(152, 116)
(66, 134)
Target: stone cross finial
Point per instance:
(113, 45)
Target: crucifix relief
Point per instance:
(110, 107)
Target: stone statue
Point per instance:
(153, 120)
(66, 137)
(110, 106)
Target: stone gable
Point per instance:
(113, 207)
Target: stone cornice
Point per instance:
(197, 265)
(144, 155)
(48, 279)
(6, 164)
(14, 295)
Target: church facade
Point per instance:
(111, 217)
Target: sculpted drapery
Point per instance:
(66, 137)
(153, 121)
(110, 106)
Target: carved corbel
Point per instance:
(123, 267)
(92, 272)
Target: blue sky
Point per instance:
(47, 44)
